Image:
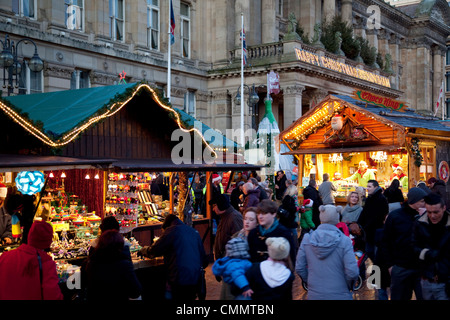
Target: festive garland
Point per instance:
(415, 150)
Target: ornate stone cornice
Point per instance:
(57, 71)
(293, 89)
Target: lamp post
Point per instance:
(11, 65)
(252, 101)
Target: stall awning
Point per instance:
(167, 165)
(344, 150)
(16, 163)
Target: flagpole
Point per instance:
(242, 81)
(169, 55)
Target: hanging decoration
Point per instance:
(415, 152)
(30, 182)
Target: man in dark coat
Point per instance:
(438, 186)
(431, 241)
(372, 217)
(262, 193)
(311, 192)
(396, 249)
(280, 185)
(184, 256)
(236, 194)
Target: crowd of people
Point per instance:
(262, 241)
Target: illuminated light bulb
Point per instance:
(63, 175)
(87, 177)
(97, 176)
(51, 175)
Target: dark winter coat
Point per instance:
(440, 188)
(313, 194)
(5, 224)
(111, 278)
(231, 221)
(396, 243)
(373, 214)
(234, 198)
(262, 291)
(251, 199)
(289, 216)
(183, 252)
(432, 245)
(279, 192)
(395, 195)
(257, 241)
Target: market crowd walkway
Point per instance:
(213, 289)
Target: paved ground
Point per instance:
(213, 289)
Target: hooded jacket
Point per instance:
(251, 199)
(233, 271)
(20, 277)
(326, 262)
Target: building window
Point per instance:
(189, 103)
(428, 167)
(80, 79)
(185, 30)
(153, 24)
(30, 82)
(447, 107)
(117, 19)
(25, 8)
(280, 8)
(74, 14)
(447, 56)
(447, 81)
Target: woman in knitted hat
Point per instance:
(28, 272)
(272, 278)
(326, 261)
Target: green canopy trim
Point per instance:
(57, 118)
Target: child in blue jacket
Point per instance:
(233, 266)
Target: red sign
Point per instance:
(380, 101)
(273, 80)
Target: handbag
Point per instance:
(201, 285)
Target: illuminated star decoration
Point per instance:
(122, 77)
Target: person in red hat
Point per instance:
(28, 272)
(306, 222)
(6, 236)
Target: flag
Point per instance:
(244, 46)
(172, 24)
(438, 102)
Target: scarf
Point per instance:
(263, 231)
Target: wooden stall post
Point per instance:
(208, 194)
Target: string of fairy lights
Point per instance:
(112, 110)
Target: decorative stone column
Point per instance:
(292, 103)
(346, 11)
(438, 76)
(394, 49)
(423, 101)
(268, 21)
(329, 10)
(316, 96)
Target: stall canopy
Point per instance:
(58, 118)
(340, 124)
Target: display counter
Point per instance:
(146, 233)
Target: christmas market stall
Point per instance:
(367, 136)
(126, 139)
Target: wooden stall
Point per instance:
(393, 140)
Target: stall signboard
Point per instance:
(378, 100)
(444, 171)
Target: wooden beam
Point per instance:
(428, 136)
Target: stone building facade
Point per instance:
(89, 43)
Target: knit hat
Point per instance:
(222, 202)
(330, 214)
(216, 177)
(237, 248)
(308, 203)
(278, 247)
(40, 235)
(415, 195)
(3, 190)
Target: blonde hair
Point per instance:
(359, 197)
(291, 191)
